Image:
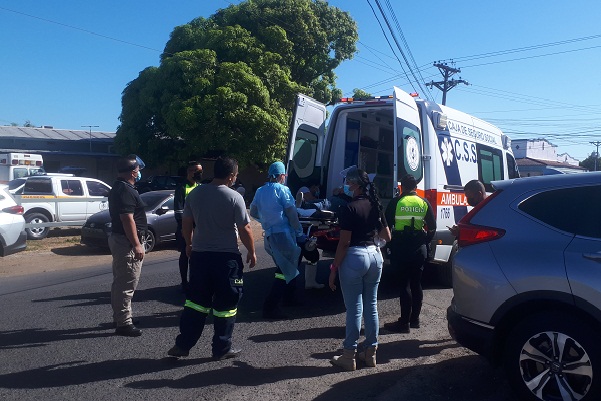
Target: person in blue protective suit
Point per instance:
(274, 206)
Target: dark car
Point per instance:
(527, 284)
(158, 183)
(159, 214)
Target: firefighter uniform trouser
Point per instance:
(215, 287)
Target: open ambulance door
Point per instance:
(408, 142)
(305, 143)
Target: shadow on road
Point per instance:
(458, 379)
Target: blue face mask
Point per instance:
(139, 176)
(347, 190)
(316, 194)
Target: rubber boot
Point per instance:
(346, 361)
(310, 273)
(368, 355)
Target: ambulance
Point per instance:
(392, 136)
(19, 165)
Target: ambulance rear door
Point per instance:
(408, 142)
(305, 143)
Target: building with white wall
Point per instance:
(539, 157)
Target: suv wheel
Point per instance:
(148, 241)
(554, 356)
(34, 233)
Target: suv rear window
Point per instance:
(573, 210)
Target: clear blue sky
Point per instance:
(65, 64)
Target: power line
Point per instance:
(525, 48)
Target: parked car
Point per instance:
(159, 214)
(527, 284)
(12, 224)
(61, 199)
(159, 182)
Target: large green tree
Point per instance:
(589, 162)
(227, 83)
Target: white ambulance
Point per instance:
(394, 136)
(19, 165)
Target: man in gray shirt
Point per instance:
(213, 217)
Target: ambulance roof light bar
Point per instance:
(372, 99)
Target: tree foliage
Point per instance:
(227, 83)
(361, 94)
(589, 162)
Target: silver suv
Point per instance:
(527, 284)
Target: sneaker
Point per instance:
(414, 325)
(275, 314)
(232, 353)
(128, 331)
(397, 327)
(178, 352)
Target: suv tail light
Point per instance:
(17, 209)
(470, 234)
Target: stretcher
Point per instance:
(322, 229)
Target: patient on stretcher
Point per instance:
(308, 203)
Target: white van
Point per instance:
(397, 135)
(19, 165)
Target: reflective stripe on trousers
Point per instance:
(203, 309)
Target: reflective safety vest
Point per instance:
(410, 212)
(189, 188)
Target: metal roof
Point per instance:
(53, 134)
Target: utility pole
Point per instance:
(447, 84)
(597, 144)
(90, 127)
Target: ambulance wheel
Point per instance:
(35, 233)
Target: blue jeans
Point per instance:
(360, 274)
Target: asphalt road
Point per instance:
(57, 343)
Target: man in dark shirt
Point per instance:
(129, 225)
(193, 179)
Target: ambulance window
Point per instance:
(512, 167)
(303, 154)
(20, 172)
(409, 151)
(351, 143)
(490, 165)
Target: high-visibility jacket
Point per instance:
(189, 189)
(410, 213)
(179, 199)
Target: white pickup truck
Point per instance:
(52, 201)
